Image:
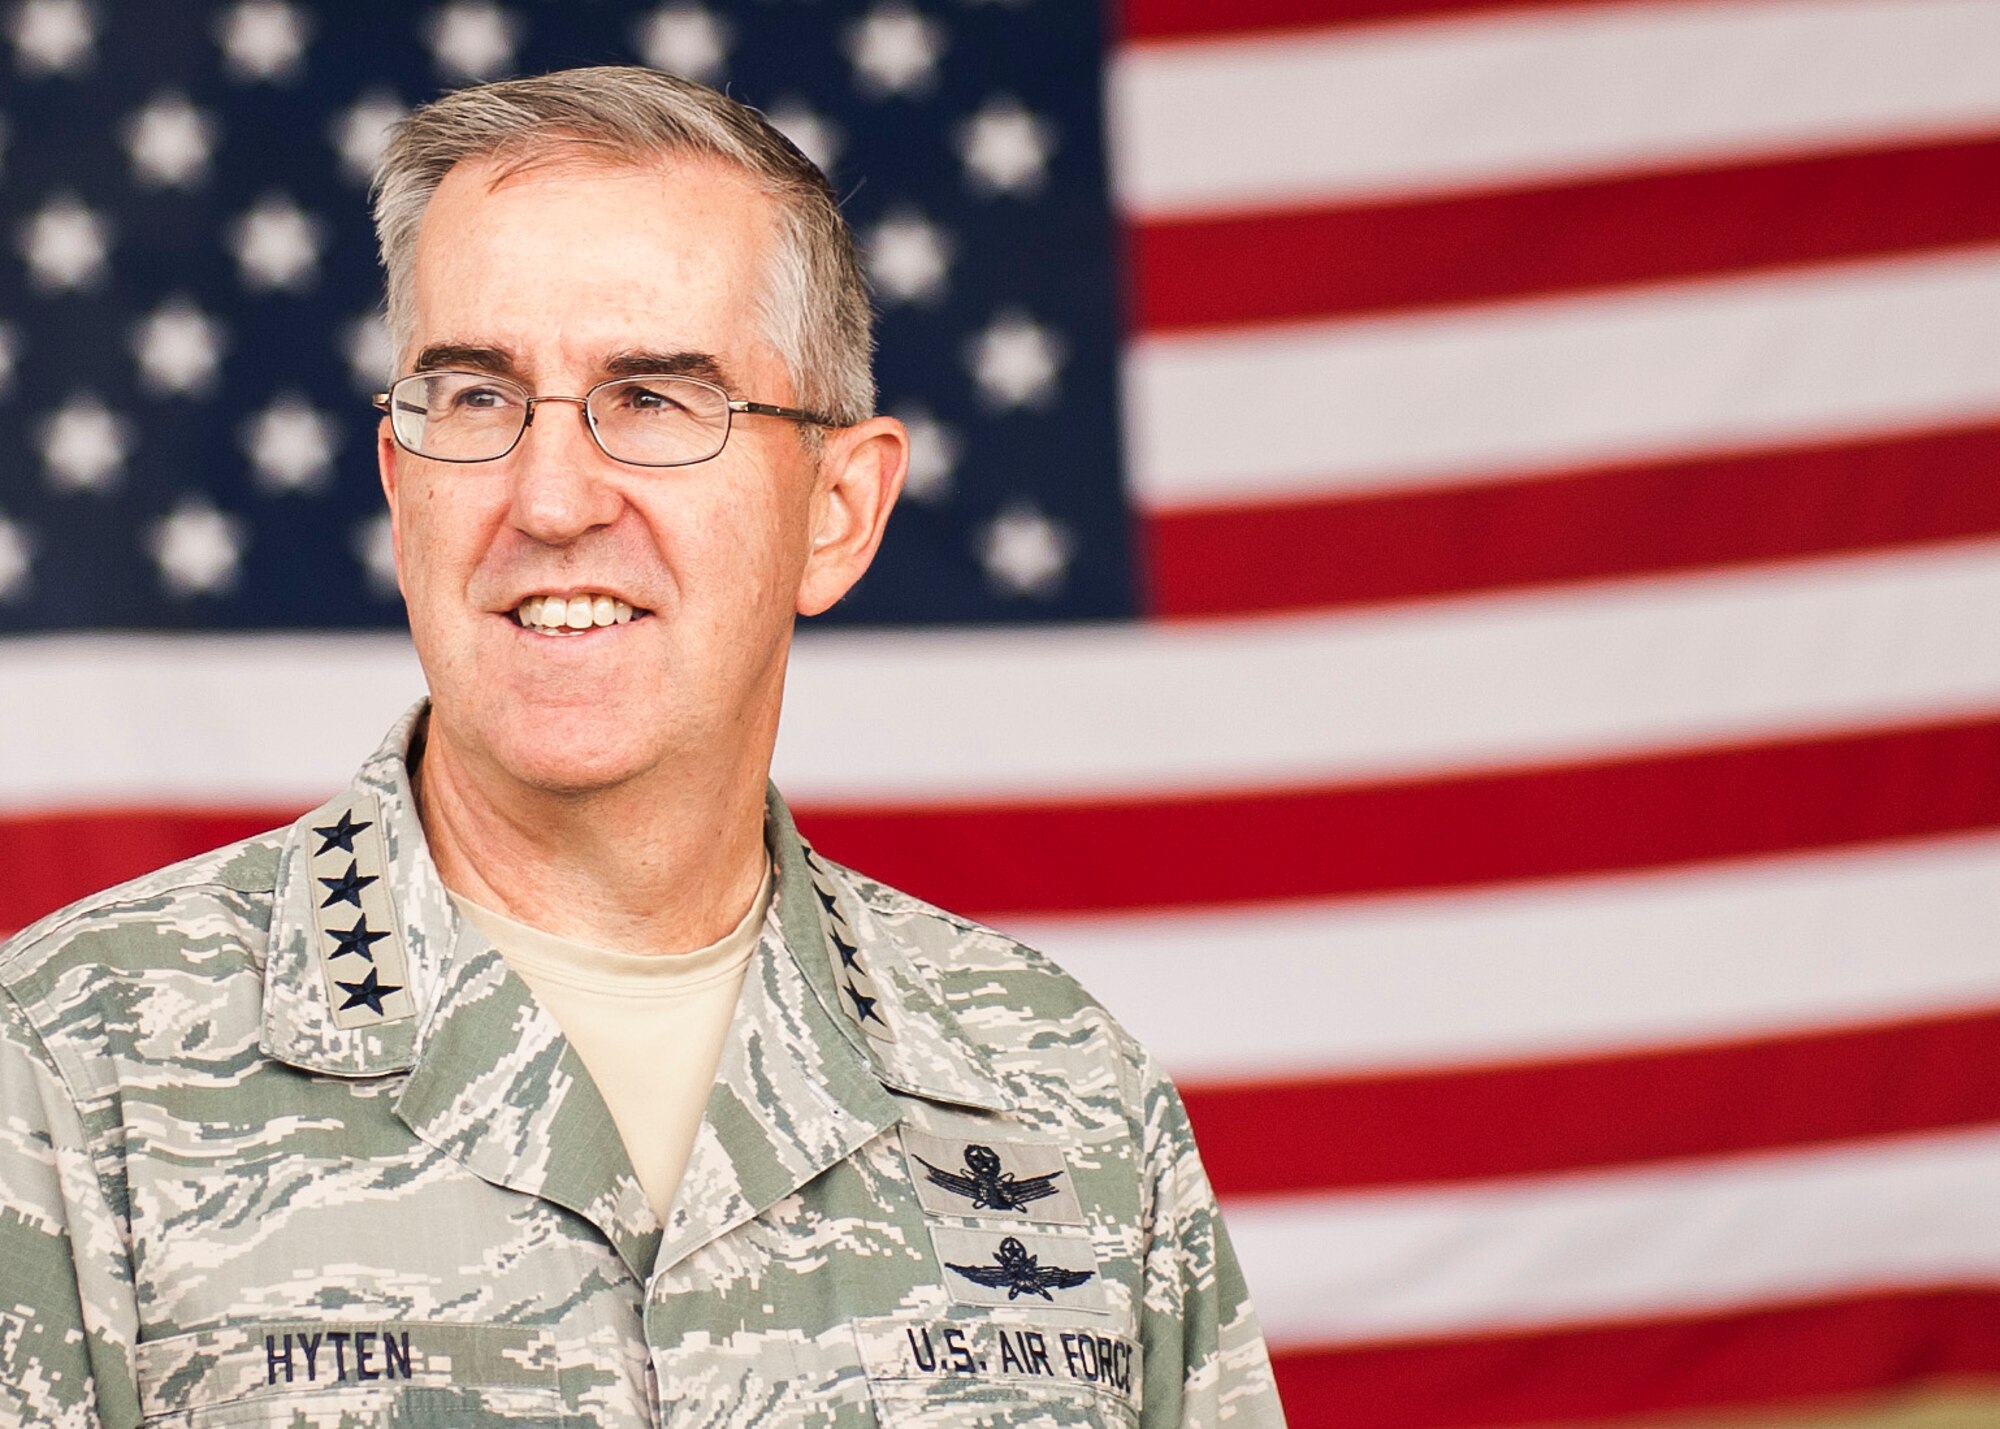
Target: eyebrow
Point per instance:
(705, 365)
(471, 357)
(476, 357)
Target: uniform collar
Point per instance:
(358, 895)
(372, 972)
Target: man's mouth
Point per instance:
(574, 613)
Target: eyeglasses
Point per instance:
(657, 420)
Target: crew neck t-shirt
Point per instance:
(649, 1026)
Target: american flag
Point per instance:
(1451, 573)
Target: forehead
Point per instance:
(568, 258)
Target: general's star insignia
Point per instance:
(864, 1007)
(367, 993)
(359, 939)
(340, 835)
(347, 888)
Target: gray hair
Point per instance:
(814, 308)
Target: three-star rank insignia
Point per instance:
(987, 1177)
(985, 1268)
(357, 942)
(860, 998)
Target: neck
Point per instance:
(666, 864)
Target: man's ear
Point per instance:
(387, 457)
(860, 475)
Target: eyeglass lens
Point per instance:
(648, 421)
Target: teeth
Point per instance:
(556, 613)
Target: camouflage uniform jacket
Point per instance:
(283, 1141)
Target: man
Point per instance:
(545, 1075)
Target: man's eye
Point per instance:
(479, 399)
(647, 399)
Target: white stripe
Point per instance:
(1915, 1212)
(1132, 710)
(1481, 394)
(199, 721)
(1591, 966)
(1509, 99)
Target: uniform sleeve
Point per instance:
(1205, 1361)
(67, 1316)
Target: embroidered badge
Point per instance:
(982, 1268)
(1019, 1273)
(988, 1186)
(858, 992)
(988, 1176)
(354, 921)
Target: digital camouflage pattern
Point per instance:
(261, 1164)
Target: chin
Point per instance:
(576, 770)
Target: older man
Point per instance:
(545, 1075)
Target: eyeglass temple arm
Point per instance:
(790, 414)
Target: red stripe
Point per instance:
(1207, 20)
(1626, 1109)
(1764, 1358)
(1336, 261)
(1436, 833)
(1335, 841)
(1684, 514)
(53, 859)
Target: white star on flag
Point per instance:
(894, 50)
(16, 556)
(815, 137)
(1005, 148)
(263, 40)
(276, 245)
(170, 142)
(908, 257)
(375, 548)
(361, 132)
(1015, 361)
(684, 39)
(933, 455)
(84, 444)
(364, 342)
(472, 40)
(66, 244)
(291, 444)
(52, 36)
(197, 548)
(10, 349)
(179, 348)
(1025, 553)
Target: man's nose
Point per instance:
(562, 478)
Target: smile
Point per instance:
(574, 613)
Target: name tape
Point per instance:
(937, 1351)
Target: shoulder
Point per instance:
(960, 953)
(1034, 1020)
(96, 980)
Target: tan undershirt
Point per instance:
(649, 1027)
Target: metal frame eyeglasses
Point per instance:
(661, 419)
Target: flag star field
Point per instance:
(1449, 572)
(190, 297)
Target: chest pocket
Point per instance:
(994, 1373)
(347, 1375)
